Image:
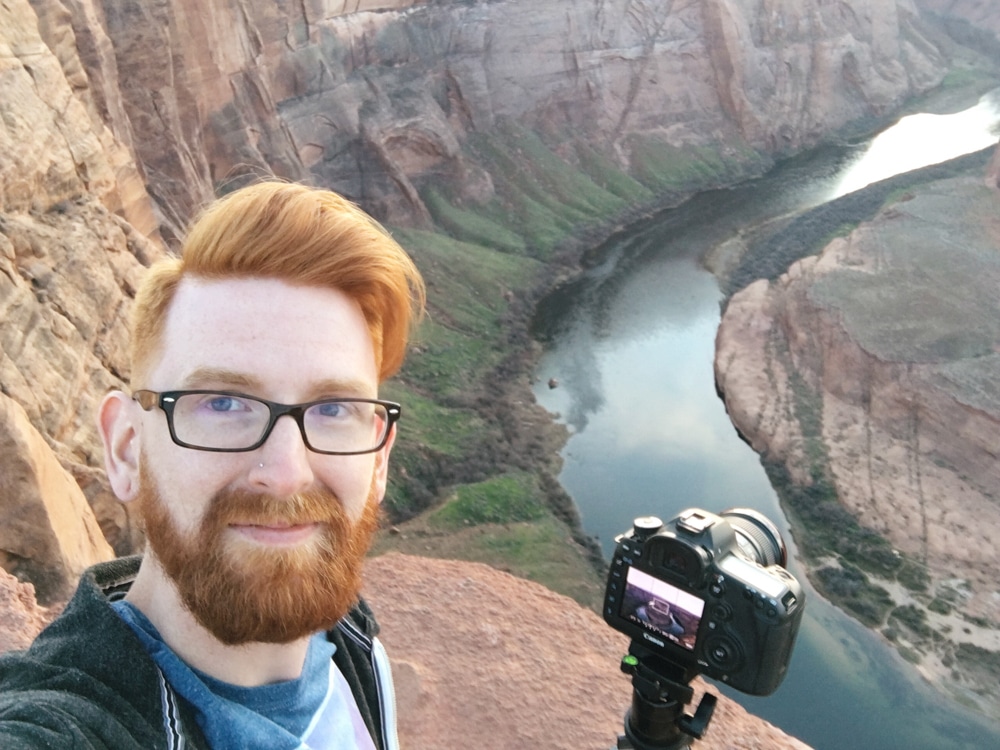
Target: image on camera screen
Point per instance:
(662, 608)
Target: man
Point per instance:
(255, 448)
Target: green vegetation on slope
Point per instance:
(509, 498)
(475, 462)
(542, 199)
(504, 522)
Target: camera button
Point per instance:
(722, 611)
(718, 586)
(724, 653)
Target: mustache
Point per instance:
(261, 509)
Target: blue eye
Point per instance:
(331, 409)
(225, 403)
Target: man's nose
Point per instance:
(282, 465)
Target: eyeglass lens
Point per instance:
(230, 422)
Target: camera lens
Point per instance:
(758, 538)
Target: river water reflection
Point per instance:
(631, 343)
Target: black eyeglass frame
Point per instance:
(167, 400)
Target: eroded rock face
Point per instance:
(980, 14)
(486, 660)
(377, 98)
(48, 533)
(76, 228)
(67, 277)
(55, 144)
(22, 617)
(892, 336)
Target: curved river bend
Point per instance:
(631, 343)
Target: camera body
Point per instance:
(709, 594)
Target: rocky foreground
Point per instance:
(873, 367)
(486, 660)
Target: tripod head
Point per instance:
(660, 691)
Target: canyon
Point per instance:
(870, 369)
(119, 120)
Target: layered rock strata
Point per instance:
(885, 346)
(379, 98)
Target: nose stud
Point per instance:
(261, 465)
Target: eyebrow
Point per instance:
(203, 376)
(213, 377)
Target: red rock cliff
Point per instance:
(377, 97)
(875, 365)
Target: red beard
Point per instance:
(243, 592)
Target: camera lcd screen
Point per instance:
(662, 608)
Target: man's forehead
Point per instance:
(233, 297)
(247, 325)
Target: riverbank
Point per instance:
(879, 424)
(493, 425)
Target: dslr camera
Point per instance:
(708, 594)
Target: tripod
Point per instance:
(660, 691)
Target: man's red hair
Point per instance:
(300, 235)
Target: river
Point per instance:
(631, 344)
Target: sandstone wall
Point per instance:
(892, 336)
(75, 230)
(48, 533)
(377, 98)
(55, 143)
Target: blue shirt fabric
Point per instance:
(279, 716)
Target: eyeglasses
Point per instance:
(227, 422)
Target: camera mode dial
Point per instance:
(645, 526)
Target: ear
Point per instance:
(116, 423)
(382, 465)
